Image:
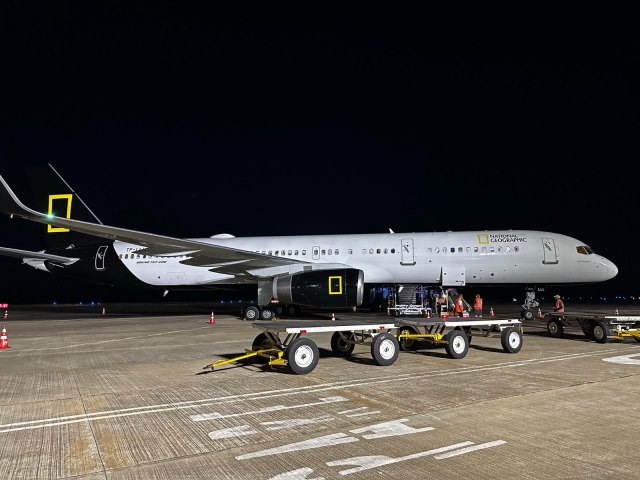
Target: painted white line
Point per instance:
(462, 451)
(275, 408)
(375, 461)
(101, 342)
(325, 441)
(389, 429)
(624, 359)
(294, 422)
(286, 392)
(231, 432)
(299, 474)
(364, 414)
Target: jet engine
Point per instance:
(321, 288)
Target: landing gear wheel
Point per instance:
(266, 314)
(526, 314)
(292, 310)
(251, 313)
(555, 328)
(385, 349)
(511, 339)
(457, 344)
(601, 332)
(340, 345)
(302, 355)
(408, 344)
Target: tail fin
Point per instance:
(53, 195)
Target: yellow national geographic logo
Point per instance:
(335, 285)
(483, 238)
(66, 196)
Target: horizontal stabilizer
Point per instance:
(24, 254)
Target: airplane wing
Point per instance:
(222, 259)
(25, 254)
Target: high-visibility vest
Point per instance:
(477, 304)
(559, 305)
(459, 305)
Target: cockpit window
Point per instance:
(584, 250)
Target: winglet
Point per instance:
(10, 204)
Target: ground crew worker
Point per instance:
(459, 305)
(477, 306)
(559, 305)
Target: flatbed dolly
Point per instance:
(595, 326)
(456, 333)
(281, 342)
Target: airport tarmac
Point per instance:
(118, 396)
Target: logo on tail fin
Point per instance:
(68, 197)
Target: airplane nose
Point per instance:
(612, 270)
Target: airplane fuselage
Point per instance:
(445, 258)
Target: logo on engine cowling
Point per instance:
(335, 285)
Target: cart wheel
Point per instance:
(601, 332)
(385, 349)
(637, 339)
(407, 344)
(302, 355)
(587, 329)
(340, 345)
(457, 344)
(511, 340)
(555, 328)
(467, 331)
(262, 341)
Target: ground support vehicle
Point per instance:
(595, 326)
(455, 334)
(282, 343)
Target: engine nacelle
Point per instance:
(321, 288)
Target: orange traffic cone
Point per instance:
(6, 314)
(491, 312)
(428, 313)
(4, 343)
(104, 310)
(333, 317)
(212, 319)
(539, 313)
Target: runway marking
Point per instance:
(275, 408)
(295, 422)
(340, 385)
(299, 474)
(393, 428)
(325, 441)
(473, 448)
(375, 461)
(108, 341)
(231, 432)
(624, 359)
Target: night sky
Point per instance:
(190, 123)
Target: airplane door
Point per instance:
(315, 253)
(100, 254)
(550, 254)
(407, 252)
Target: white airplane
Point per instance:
(330, 271)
